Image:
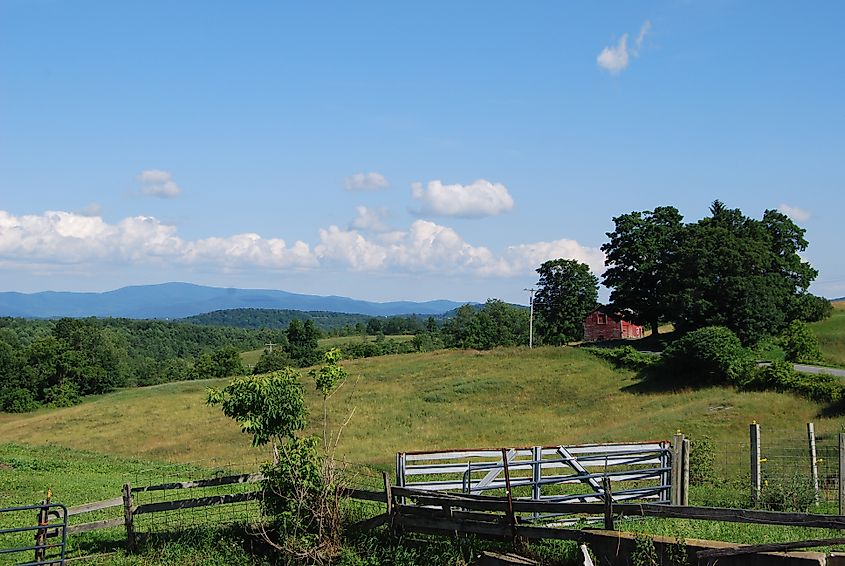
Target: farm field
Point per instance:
(437, 400)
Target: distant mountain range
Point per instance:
(179, 300)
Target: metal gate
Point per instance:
(637, 471)
(51, 523)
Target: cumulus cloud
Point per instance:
(71, 238)
(366, 182)
(794, 212)
(66, 239)
(158, 183)
(615, 59)
(370, 220)
(478, 199)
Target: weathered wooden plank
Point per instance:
(773, 547)
(95, 525)
(197, 502)
(226, 480)
(487, 529)
(95, 506)
(487, 503)
(371, 523)
(367, 495)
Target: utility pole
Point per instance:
(270, 345)
(531, 290)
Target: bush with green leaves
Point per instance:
(799, 344)
(300, 495)
(712, 354)
(781, 376)
(701, 457)
(272, 361)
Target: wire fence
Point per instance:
(241, 512)
(722, 475)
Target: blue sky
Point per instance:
(396, 150)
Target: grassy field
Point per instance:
(444, 399)
(437, 400)
(831, 335)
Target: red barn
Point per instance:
(605, 323)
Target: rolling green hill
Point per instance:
(831, 334)
(444, 399)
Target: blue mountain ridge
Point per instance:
(179, 300)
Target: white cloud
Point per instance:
(68, 241)
(481, 198)
(370, 220)
(615, 59)
(644, 29)
(70, 238)
(366, 182)
(158, 183)
(794, 212)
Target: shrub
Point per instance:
(792, 493)
(272, 361)
(781, 376)
(18, 400)
(799, 343)
(701, 457)
(712, 354)
(65, 394)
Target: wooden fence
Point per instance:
(130, 510)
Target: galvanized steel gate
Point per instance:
(637, 471)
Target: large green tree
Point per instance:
(640, 263)
(741, 273)
(566, 293)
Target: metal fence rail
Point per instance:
(52, 523)
(637, 471)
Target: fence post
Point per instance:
(685, 474)
(675, 497)
(814, 468)
(128, 518)
(755, 461)
(608, 503)
(536, 474)
(841, 472)
(400, 472)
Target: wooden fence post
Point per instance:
(841, 472)
(814, 468)
(754, 431)
(608, 503)
(685, 473)
(128, 518)
(676, 494)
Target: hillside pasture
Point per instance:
(436, 400)
(831, 335)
